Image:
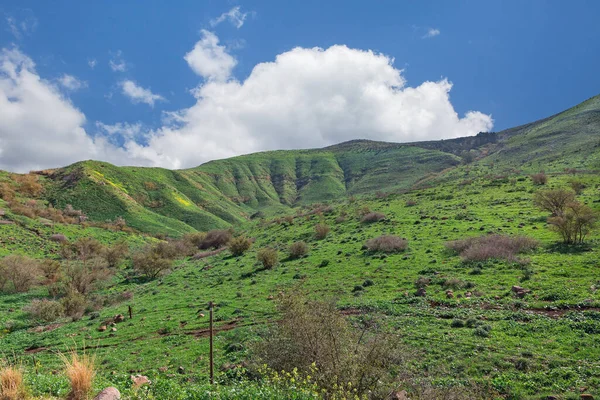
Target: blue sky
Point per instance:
(115, 82)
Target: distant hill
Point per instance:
(221, 193)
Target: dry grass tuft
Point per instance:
(11, 384)
(81, 372)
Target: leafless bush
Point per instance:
(553, 200)
(387, 244)
(29, 185)
(492, 247)
(83, 277)
(215, 239)
(116, 253)
(44, 310)
(239, 245)
(83, 249)
(74, 304)
(539, 178)
(196, 238)
(298, 249)
(51, 271)
(268, 257)
(321, 231)
(372, 217)
(577, 186)
(22, 272)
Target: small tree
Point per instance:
(268, 257)
(151, 264)
(239, 245)
(321, 231)
(553, 200)
(298, 249)
(575, 223)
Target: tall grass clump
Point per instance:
(499, 247)
(386, 244)
(11, 384)
(80, 370)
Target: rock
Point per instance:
(449, 294)
(468, 295)
(113, 329)
(421, 292)
(586, 396)
(163, 369)
(140, 380)
(181, 370)
(520, 292)
(201, 315)
(110, 393)
(119, 318)
(102, 328)
(401, 395)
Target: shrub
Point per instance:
(314, 338)
(575, 223)
(553, 200)
(457, 323)
(11, 384)
(195, 239)
(239, 245)
(411, 203)
(29, 185)
(298, 249)
(387, 244)
(267, 257)
(492, 247)
(74, 304)
(80, 371)
(51, 270)
(372, 217)
(44, 310)
(215, 239)
(116, 253)
(22, 272)
(83, 249)
(539, 178)
(577, 186)
(151, 264)
(84, 277)
(321, 231)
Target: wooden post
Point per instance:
(212, 376)
(130, 312)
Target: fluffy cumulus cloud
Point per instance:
(138, 94)
(209, 59)
(39, 128)
(306, 97)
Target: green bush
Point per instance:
(268, 257)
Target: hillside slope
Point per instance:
(227, 192)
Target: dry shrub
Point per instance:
(267, 257)
(150, 186)
(173, 249)
(387, 244)
(372, 217)
(83, 249)
(44, 310)
(83, 277)
(553, 200)
(497, 247)
(411, 203)
(239, 245)
(11, 384)
(7, 192)
(288, 219)
(116, 253)
(74, 304)
(22, 272)
(539, 179)
(577, 186)
(29, 185)
(51, 270)
(321, 231)
(69, 211)
(22, 210)
(80, 370)
(151, 264)
(298, 249)
(195, 239)
(315, 338)
(215, 239)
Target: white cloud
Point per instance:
(306, 98)
(23, 25)
(92, 63)
(39, 128)
(234, 16)
(209, 59)
(138, 94)
(117, 63)
(71, 83)
(431, 32)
